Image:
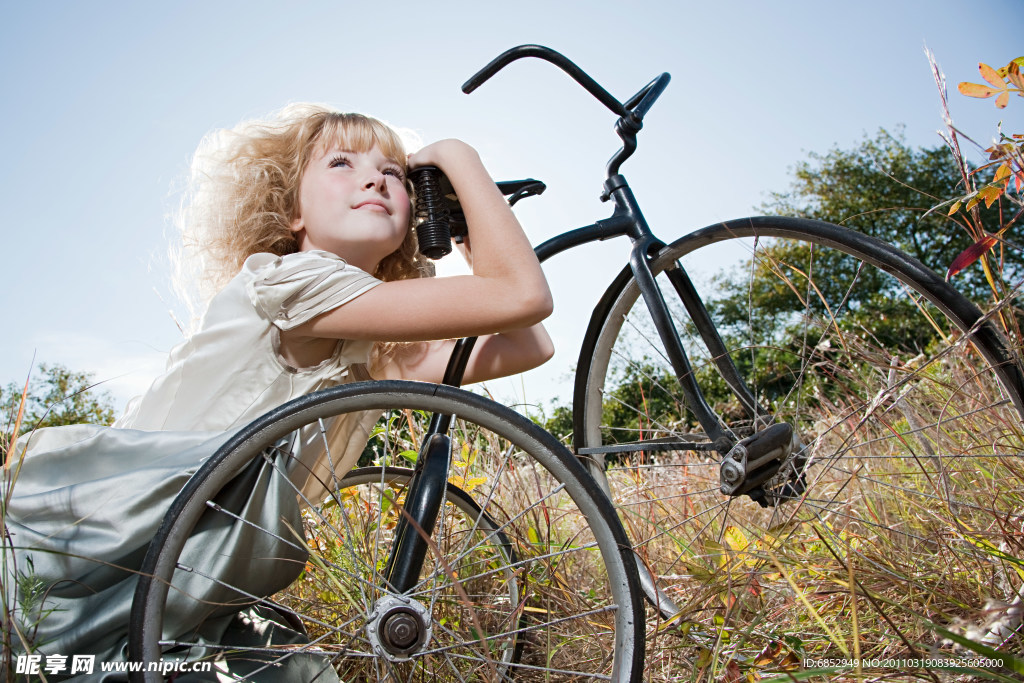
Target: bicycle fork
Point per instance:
(422, 507)
(749, 467)
(399, 625)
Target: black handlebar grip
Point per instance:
(433, 229)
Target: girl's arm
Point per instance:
(507, 291)
(494, 355)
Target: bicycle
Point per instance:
(819, 422)
(725, 433)
(454, 570)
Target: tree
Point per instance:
(883, 188)
(56, 396)
(886, 189)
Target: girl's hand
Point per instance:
(450, 156)
(445, 154)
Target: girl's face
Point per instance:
(354, 205)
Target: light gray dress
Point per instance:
(87, 499)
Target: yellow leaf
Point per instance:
(1003, 99)
(715, 551)
(953, 209)
(990, 75)
(1002, 173)
(734, 538)
(531, 533)
(473, 482)
(990, 194)
(673, 622)
(975, 90)
(971, 203)
(1013, 75)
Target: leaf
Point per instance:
(734, 538)
(975, 90)
(953, 209)
(715, 550)
(1019, 61)
(473, 482)
(1013, 75)
(732, 672)
(1003, 100)
(769, 654)
(990, 194)
(789, 663)
(990, 75)
(970, 255)
(1002, 173)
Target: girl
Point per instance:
(301, 225)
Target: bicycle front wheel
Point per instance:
(905, 404)
(528, 575)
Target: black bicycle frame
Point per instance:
(427, 486)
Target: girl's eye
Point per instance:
(396, 172)
(339, 161)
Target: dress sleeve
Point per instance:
(292, 289)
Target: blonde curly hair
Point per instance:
(242, 197)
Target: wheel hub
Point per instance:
(398, 628)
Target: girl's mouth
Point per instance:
(372, 205)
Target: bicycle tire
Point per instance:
(957, 415)
(465, 594)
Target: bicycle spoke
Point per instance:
(906, 443)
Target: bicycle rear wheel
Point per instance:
(526, 576)
(906, 405)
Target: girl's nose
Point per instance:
(378, 180)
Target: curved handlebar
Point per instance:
(631, 114)
(640, 103)
(556, 58)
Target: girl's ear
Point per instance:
(297, 223)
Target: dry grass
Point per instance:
(894, 554)
(525, 585)
(907, 538)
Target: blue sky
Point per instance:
(106, 101)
